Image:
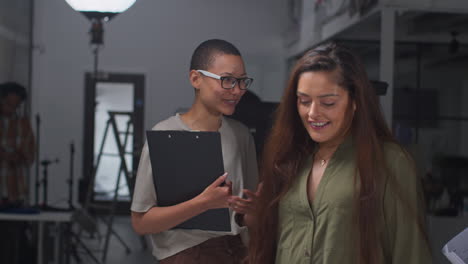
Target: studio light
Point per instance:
(103, 6)
(98, 12)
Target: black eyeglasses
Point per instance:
(229, 82)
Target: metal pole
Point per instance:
(387, 59)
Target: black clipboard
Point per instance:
(184, 163)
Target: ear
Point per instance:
(354, 106)
(195, 79)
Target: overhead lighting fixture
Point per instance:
(98, 12)
(103, 6)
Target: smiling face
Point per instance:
(324, 107)
(209, 91)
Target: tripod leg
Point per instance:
(127, 248)
(144, 245)
(88, 251)
(110, 221)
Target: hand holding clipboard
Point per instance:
(217, 194)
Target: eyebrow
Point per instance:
(230, 74)
(327, 95)
(320, 96)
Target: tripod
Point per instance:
(83, 217)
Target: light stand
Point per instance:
(97, 36)
(70, 180)
(98, 12)
(45, 164)
(36, 180)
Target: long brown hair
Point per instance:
(289, 144)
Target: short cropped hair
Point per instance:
(205, 53)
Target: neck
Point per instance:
(326, 150)
(323, 155)
(329, 147)
(200, 118)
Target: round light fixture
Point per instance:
(103, 6)
(99, 11)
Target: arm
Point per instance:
(159, 219)
(404, 220)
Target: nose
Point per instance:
(313, 110)
(236, 89)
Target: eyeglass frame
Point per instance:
(218, 77)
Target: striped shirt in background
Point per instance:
(16, 136)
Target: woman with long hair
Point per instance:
(337, 187)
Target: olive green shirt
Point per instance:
(320, 232)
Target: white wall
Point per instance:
(14, 41)
(155, 38)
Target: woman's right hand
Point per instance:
(216, 195)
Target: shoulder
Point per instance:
(171, 123)
(236, 126)
(394, 151)
(399, 162)
(396, 155)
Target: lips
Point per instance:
(318, 125)
(230, 102)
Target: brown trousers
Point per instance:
(225, 250)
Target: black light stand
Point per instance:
(36, 180)
(70, 180)
(97, 40)
(45, 164)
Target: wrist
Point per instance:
(239, 218)
(201, 203)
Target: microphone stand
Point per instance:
(70, 180)
(36, 181)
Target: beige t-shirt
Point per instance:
(240, 163)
